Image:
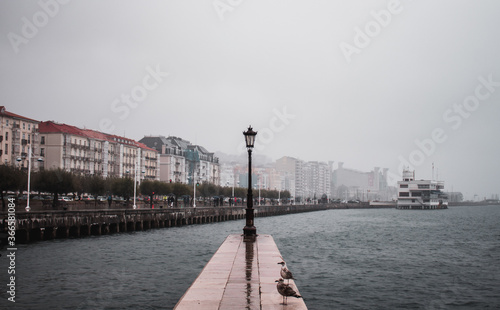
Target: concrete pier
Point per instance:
(240, 275)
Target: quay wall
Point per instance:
(46, 225)
(52, 224)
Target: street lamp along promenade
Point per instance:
(249, 230)
(136, 164)
(29, 176)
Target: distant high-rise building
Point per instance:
(305, 180)
(351, 183)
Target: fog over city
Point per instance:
(368, 83)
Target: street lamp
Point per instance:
(194, 192)
(135, 182)
(29, 176)
(249, 230)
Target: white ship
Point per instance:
(420, 194)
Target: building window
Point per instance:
(42, 140)
(42, 151)
(403, 185)
(7, 122)
(404, 194)
(7, 136)
(416, 194)
(29, 126)
(6, 149)
(24, 125)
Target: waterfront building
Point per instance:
(90, 152)
(305, 180)
(228, 176)
(317, 179)
(354, 184)
(180, 160)
(172, 163)
(285, 166)
(17, 133)
(420, 194)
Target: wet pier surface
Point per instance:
(240, 275)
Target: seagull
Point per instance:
(285, 273)
(285, 290)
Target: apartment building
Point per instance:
(90, 152)
(305, 179)
(17, 134)
(351, 183)
(181, 161)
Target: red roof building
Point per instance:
(90, 152)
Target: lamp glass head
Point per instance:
(250, 137)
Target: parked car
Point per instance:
(65, 198)
(102, 198)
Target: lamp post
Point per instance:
(135, 182)
(249, 230)
(259, 189)
(29, 177)
(194, 192)
(279, 196)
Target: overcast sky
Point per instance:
(367, 83)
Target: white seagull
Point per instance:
(285, 273)
(285, 290)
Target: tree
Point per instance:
(180, 189)
(10, 180)
(151, 188)
(79, 184)
(55, 181)
(95, 185)
(123, 187)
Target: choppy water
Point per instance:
(342, 259)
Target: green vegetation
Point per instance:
(59, 182)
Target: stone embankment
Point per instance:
(71, 223)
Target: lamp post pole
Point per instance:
(249, 230)
(29, 179)
(194, 192)
(259, 189)
(135, 182)
(28, 208)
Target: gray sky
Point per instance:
(362, 82)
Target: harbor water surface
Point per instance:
(342, 259)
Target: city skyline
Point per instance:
(369, 84)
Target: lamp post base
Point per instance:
(249, 231)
